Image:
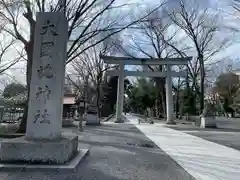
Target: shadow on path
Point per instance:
(115, 154)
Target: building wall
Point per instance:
(237, 72)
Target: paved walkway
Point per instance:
(203, 159)
(115, 154)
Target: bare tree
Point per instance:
(87, 19)
(6, 48)
(4, 82)
(202, 28)
(156, 40)
(90, 64)
(236, 5)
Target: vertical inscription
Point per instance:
(45, 70)
(39, 93)
(49, 27)
(45, 116)
(43, 93)
(46, 49)
(37, 116)
(41, 117)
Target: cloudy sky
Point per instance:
(223, 7)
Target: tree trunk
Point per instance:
(202, 94)
(99, 94)
(29, 51)
(98, 97)
(23, 124)
(202, 80)
(160, 83)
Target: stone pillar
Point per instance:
(43, 142)
(48, 72)
(120, 95)
(169, 96)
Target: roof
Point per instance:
(237, 72)
(68, 100)
(69, 95)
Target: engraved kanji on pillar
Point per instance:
(45, 70)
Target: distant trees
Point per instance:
(89, 65)
(14, 89)
(227, 85)
(110, 97)
(109, 90)
(202, 28)
(142, 96)
(236, 103)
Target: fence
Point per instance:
(10, 115)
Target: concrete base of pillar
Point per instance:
(120, 119)
(20, 150)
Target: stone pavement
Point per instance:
(226, 137)
(115, 154)
(203, 159)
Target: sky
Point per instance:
(225, 15)
(17, 72)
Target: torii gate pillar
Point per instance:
(169, 95)
(120, 95)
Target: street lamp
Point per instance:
(80, 101)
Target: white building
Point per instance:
(237, 72)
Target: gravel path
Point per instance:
(115, 154)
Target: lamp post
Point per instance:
(81, 112)
(81, 109)
(81, 101)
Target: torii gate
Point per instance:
(122, 61)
